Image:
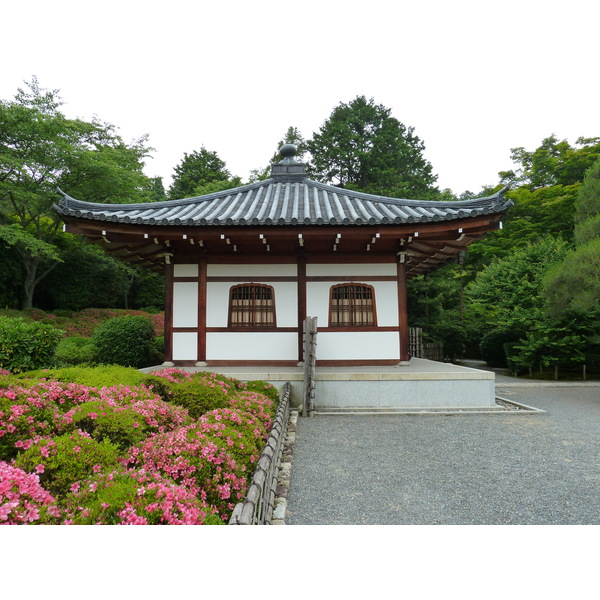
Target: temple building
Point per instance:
(244, 267)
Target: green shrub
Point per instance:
(139, 498)
(65, 460)
(75, 350)
(122, 426)
(98, 376)
(26, 345)
(126, 341)
(198, 398)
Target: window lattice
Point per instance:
(352, 306)
(252, 306)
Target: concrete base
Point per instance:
(422, 384)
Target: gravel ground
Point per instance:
(477, 469)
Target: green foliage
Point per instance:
(573, 286)
(126, 341)
(120, 425)
(198, 170)
(547, 345)
(553, 163)
(98, 377)
(41, 149)
(493, 346)
(536, 214)
(86, 278)
(153, 501)
(147, 292)
(263, 387)
(588, 206)
(361, 146)
(67, 459)
(25, 345)
(509, 292)
(76, 350)
(198, 398)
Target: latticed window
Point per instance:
(352, 305)
(252, 305)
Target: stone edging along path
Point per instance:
(285, 471)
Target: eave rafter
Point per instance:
(422, 246)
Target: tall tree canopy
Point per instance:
(574, 285)
(361, 146)
(41, 149)
(199, 171)
(554, 162)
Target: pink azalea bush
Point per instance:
(22, 498)
(63, 461)
(191, 457)
(125, 415)
(135, 497)
(122, 454)
(28, 412)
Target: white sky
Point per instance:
(473, 78)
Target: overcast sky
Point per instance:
(473, 78)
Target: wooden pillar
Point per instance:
(402, 311)
(202, 294)
(168, 331)
(301, 303)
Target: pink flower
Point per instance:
(39, 469)
(75, 487)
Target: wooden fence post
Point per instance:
(309, 356)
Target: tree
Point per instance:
(536, 214)
(198, 170)
(157, 190)
(553, 163)
(41, 149)
(587, 213)
(509, 292)
(574, 285)
(361, 146)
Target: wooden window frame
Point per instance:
(258, 316)
(353, 289)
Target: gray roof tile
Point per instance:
(281, 201)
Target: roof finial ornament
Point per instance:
(288, 151)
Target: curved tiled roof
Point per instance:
(283, 200)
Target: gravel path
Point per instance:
(459, 469)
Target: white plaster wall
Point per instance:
(185, 304)
(351, 270)
(356, 345)
(251, 346)
(386, 301)
(286, 302)
(185, 346)
(246, 272)
(185, 270)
